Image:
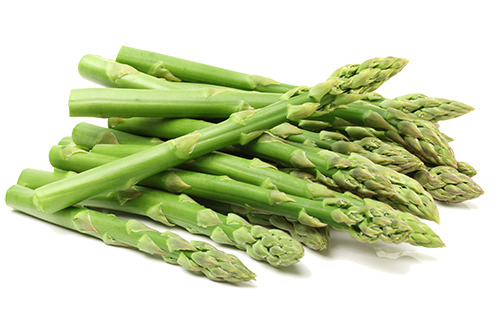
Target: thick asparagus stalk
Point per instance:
(157, 64)
(369, 223)
(447, 184)
(422, 107)
(272, 246)
(374, 149)
(420, 137)
(199, 103)
(194, 256)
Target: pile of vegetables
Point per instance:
(266, 167)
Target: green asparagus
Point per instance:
(273, 246)
(359, 77)
(240, 128)
(112, 74)
(369, 223)
(421, 233)
(199, 103)
(421, 106)
(259, 173)
(374, 149)
(420, 137)
(194, 256)
(357, 177)
(315, 238)
(466, 168)
(447, 184)
(410, 196)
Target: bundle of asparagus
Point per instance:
(286, 165)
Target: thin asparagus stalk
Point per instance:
(157, 64)
(374, 149)
(315, 238)
(272, 246)
(199, 103)
(369, 223)
(194, 256)
(447, 184)
(420, 137)
(421, 106)
(112, 74)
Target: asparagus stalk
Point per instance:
(194, 256)
(112, 74)
(199, 103)
(87, 135)
(157, 64)
(422, 234)
(262, 174)
(240, 128)
(369, 223)
(272, 246)
(348, 174)
(315, 238)
(447, 184)
(419, 136)
(343, 173)
(374, 149)
(421, 106)
(410, 195)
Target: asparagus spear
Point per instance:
(422, 234)
(124, 173)
(272, 246)
(357, 177)
(194, 256)
(369, 223)
(199, 103)
(447, 184)
(157, 64)
(241, 128)
(262, 174)
(410, 196)
(421, 106)
(116, 75)
(338, 171)
(315, 238)
(374, 149)
(420, 137)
